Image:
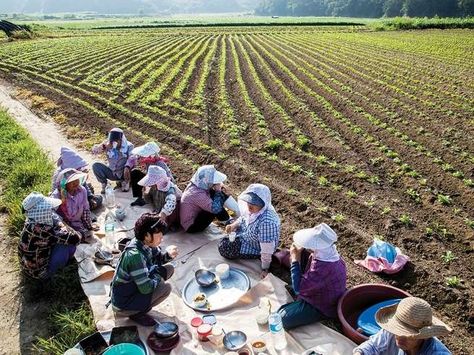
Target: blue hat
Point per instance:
(252, 198)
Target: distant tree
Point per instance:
(467, 7)
(393, 8)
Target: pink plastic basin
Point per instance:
(357, 299)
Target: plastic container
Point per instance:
(203, 331)
(109, 196)
(223, 270)
(109, 228)
(232, 236)
(356, 300)
(216, 337)
(275, 324)
(124, 349)
(259, 346)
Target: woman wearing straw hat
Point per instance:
(257, 229)
(74, 208)
(46, 243)
(137, 165)
(117, 149)
(162, 193)
(323, 280)
(408, 327)
(204, 199)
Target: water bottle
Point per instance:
(109, 196)
(276, 329)
(109, 230)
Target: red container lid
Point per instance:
(204, 329)
(196, 322)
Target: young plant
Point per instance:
(445, 200)
(405, 219)
(386, 210)
(453, 281)
(414, 195)
(323, 181)
(351, 194)
(339, 217)
(448, 257)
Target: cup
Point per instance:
(222, 270)
(232, 236)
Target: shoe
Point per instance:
(125, 186)
(138, 202)
(143, 319)
(102, 192)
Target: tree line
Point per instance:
(366, 8)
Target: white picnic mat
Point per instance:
(239, 317)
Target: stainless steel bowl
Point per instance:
(235, 340)
(205, 278)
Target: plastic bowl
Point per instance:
(124, 349)
(357, 299)
(234, 340)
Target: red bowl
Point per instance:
(356, 300)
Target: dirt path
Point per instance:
(24, 319)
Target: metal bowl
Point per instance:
(103, 257)
(235, 340)
(205, 278)
(166, 329)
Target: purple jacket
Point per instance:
(323, 284)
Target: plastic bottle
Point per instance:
(109, 196)
(109, 230)
(275, 324)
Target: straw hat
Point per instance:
(320, 237)
(413, 318)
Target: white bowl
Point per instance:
(223, 270)
(200, 303)
(262, 346)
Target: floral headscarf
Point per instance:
(206, 176)
(39, 208)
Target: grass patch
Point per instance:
(422, 23)
(24, 167)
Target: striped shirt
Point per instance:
(136, 265)
(265, 229)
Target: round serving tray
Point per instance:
(221, 294)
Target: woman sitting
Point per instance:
(408, 327)
(118, 150)
(139, 281)
(258, 228)
(163, 194)
(137, 165)
(74, 208)
(46, 243)
(203, 200)
(69, 158)
(321, 284)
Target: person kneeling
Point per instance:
(322, 284)
(139, 281)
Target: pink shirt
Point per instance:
(193, 201)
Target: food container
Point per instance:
(200, 299)
(259, 345)
(196, 322)
(203, 331)
(222, 270)
(216, 336)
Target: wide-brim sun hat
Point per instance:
(72, 175)
(156, 175)
(413, 318)
(147, 150)
(218, 177)
(37, 201)
(320, 237)
(252, 198)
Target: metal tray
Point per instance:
(220, 295)
(106, 335)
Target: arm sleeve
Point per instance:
(267, 250)
(99, 148)
(217, 202)
(64, 234)
(376, 345)
(295, 276)
(131, 161)
(170, 204)
(86, 214)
